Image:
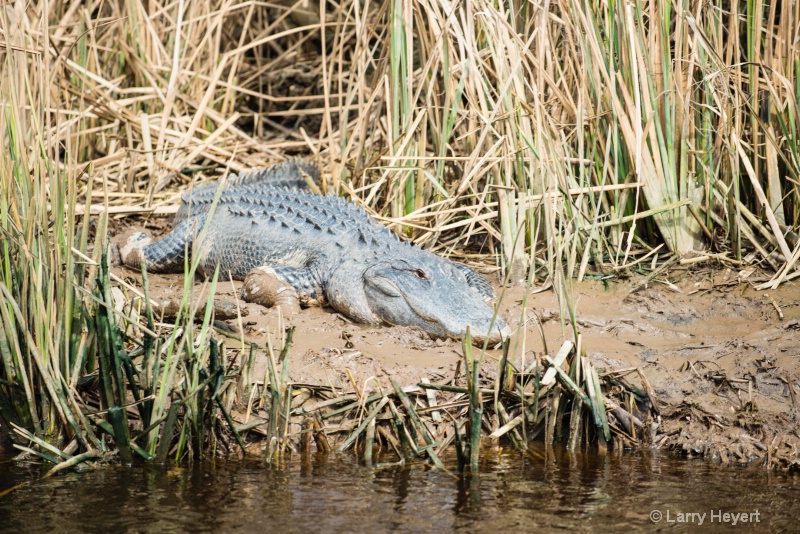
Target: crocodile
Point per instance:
(294, 247)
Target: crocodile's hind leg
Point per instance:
(286, 287)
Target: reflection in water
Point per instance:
(468, 496)
(543, 491)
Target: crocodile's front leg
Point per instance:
(286, 287)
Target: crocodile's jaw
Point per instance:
(345, 292)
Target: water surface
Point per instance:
(336, 494)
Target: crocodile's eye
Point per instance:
(419, 273)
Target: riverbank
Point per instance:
(721, 357)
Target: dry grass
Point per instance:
(513, 130)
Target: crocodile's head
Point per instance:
(420, 290)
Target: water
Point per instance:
(336, 494)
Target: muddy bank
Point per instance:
(723, 363)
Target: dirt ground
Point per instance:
(722, 361)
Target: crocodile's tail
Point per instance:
(163, 256)
(293, 173)
(477, 281)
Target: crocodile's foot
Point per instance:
(262, 286)
(128, 245)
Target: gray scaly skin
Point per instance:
(324, 249)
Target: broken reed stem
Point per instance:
(167, 434)
(418, 423)
(372, 414)
(72, 462)
(408, 445)
(369, 443)
(598, 402)
(472, 365)
(575, 419)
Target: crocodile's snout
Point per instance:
(499, 332)
(484, 326)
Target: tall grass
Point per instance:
(515, 130)
(65, 327)
(551, 140)
(590, 128)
